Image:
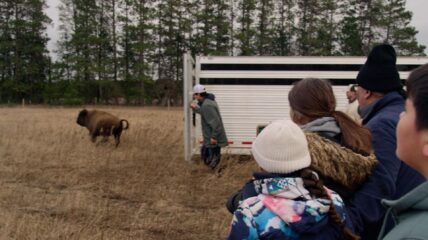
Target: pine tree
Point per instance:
(308, 17)
(350, 36)
(246, 33)
(80, 43)
(114, 38)
(397, 29)
(265, 32)
(204, 28)
(222, 28)
(6, 43)
(65, 49)
(23, 48)
(370, 19)
(143, 44)
(211, 27)
(102, 42)
(124, 40)
(284, 30)
(327, 33)
(232, 26)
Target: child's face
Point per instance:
(411, 143)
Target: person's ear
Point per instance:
(425, 143)
(425, 150)
(296, 117)
(367, 94)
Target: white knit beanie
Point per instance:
(281, 147)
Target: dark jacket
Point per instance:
(340, 169)
(284, 209)
(410, 214)
(392, 178)
(212, 123)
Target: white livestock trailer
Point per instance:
(253, 91)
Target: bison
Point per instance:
(101, 123)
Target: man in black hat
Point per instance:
(381, 99)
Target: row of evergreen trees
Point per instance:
(132, 49)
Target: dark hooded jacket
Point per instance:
(211, 122)
(391, 178)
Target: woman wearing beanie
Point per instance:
(291, 201)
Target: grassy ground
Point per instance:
(56, 184)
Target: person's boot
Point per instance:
(206, 155)
(215, 160)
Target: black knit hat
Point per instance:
(379, 73)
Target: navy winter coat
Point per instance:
(392, 178)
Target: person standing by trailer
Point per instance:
(352, 109)
(381, 98)
(411, 211)
(212, 126)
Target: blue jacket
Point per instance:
(283, 209)
(392, 178)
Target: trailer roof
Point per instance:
(300, 60)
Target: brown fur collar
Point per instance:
(341, 164)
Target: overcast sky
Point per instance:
(418, 7)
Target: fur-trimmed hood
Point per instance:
(339, 163)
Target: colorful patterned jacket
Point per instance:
(283, 209)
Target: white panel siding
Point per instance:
(301, 60)
(279, 74)
(288, 74)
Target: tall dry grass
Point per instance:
(56, 184)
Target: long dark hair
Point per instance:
(316, 188)
(417, 90)
(314, 98)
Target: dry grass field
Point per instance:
(56, 184)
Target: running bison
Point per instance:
(101, 123)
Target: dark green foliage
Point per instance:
(284, 28)
(246, 34)
(23, 53)
(397, 29)
(116, 51)
(71, 95)
(350, 37)
(265, 27)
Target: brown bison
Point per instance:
(101, 123)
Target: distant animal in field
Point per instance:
(100, 123)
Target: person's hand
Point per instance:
(193, 105)
(213, 141)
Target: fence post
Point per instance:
(187, 80)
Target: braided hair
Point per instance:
(316, 188)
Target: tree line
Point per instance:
(112, 51)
